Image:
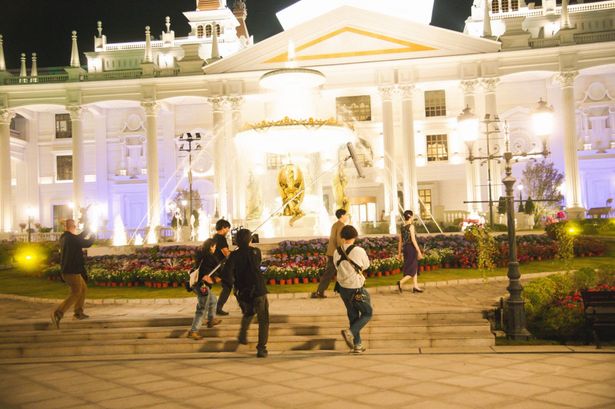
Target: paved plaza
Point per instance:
(481, 377)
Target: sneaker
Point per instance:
(348, 338)
(262, 353)
(80, 316)
(221, 312)
(358, 349)
(213, 322)
(318, 295)
(55, 319)
(242, 341)
(194, 335)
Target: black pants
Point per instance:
(327, 276)
(224, 294)
(261, 309)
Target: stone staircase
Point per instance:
(167, 335)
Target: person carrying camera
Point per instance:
(72, 264)
(206, 299)
(350, 261)
(250, 289)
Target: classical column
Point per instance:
(75, 112)
(491, 108)
(237, 186)
(220, 162)
(390, 185)
(6, 204)
(409, 177)
(153, 176)
(473, 184)
(571, 163)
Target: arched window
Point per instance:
(218, 30)
(208, 30)
(495, 6)
(199, 31)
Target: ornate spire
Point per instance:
(215, 52)
(34, 70)
(241, 13)
(74, 53)
(99, 28)
(148, 46)
(2, 62)
(23, 73)
(167, 23)
(565, 15)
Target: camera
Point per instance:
(234, 231)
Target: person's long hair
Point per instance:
(207, 245)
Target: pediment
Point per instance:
(349, 35)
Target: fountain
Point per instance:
(119, 232)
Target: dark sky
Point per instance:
(44, 26)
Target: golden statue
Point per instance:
(339, 184)
(292, 190)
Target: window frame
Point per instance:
(435, 107)
(431, 146)
(55, 167)
(60, 118)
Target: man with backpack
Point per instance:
(250, 289)
(350, 262)
(335, 241)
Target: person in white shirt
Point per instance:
(350, 262)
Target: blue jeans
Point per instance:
(204, 302)
(359, 313)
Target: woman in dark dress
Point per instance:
(411, 251)
(206, 299)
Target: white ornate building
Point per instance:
(106, 133)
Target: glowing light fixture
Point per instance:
(285, 78)
(468, 125)
(542, 119)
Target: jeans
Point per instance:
(261, 309)
(326, 277)
(77, 294)
(224, 294)
(359, 313)
(204, 303)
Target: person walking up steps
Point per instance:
(335, 240)
(73, 271)
(251, 290)
(411, 251)
(351, 261)
(206, 299)
(222, 253)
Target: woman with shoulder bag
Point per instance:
(350, 262)
(206, 299)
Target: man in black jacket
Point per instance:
(73, 270)
(250, 289)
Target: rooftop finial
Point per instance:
(167, 23)
(2, 62)
(148, 46)
(565, 15)
(99, 28)
(215, 52)
(487, 20)
(34, 70)
(74, 53)
(23, 73)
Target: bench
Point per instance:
(599, 308)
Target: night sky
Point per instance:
(44, 26)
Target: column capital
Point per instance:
(468, 86)
(406, 91)
(75, 112)
(566, 78)
(6, 115)
(151, 107)
(217, 103)
(489, 84)
(236, 101)
(386, 92)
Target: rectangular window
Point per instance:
(495, 6)
(357, 108)
(63, 127)
(64, 167)
(514, 5)
(274, 161)
(425, 199)
(437, 148)
(60, 214)
(435, 103)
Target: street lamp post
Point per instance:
(187, 140)
(542, 119)
(30, 212)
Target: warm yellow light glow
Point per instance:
(467, 124)
(29, 257)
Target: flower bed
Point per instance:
(304, 261)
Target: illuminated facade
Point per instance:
(106, 133)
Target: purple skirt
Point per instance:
(411, 264)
